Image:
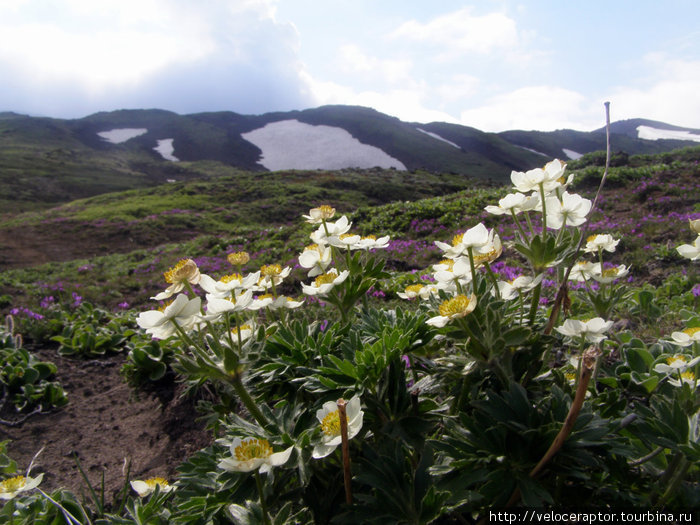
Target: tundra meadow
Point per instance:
(521, 367)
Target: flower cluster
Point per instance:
(692, 251)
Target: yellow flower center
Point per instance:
(610, 272)
(163, 306)
(13, 484)
(182, 271)
(253, 448)
(678, 359)
(346, 235)
(369, 238)
(238, 258)
(457, 239)
(152, 482)
(449, 263)
(691, 331)
(570, 376)
(688, 375)
(331, 424)
(313, 247)
(456, 307)
(326, 211)
(232, 277)
(591, 238)
(270, 270)
(265, 296)
(414, 288)
(326, 278)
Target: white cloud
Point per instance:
(462, 32)
(667, 91)
(535, 107)
(355, 61)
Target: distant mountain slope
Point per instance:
(45, 160)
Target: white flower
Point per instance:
(459, 274)
(687, 377)
(458, 306)
(182, 312)
(11, 487)
(608, 275)
(418, 290)
(551, 177)
(329, 419)
(687, 337)
(594, 243)
(228, 284)
(511, 289)
(690, 251)
(274, 303)
(570, 210)
(331, 229)
(320, 214)
(514, 203)
(253, 453)
(581, 271)
(592, 330)
(147, 487)
(218, 307)
(371, 242)
(676, 363)
(694, 225)
(185, 271)
(273, 275)
(345, 240)
(316, 258)
(325, 283)
(475, 238)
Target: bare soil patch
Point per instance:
(105, 424)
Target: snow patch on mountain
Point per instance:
(438, 137)
(649, 133)
(166, 149)
(117, 136)
(290, 144)
(571, 154)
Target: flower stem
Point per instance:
(347, 476)
(261, 495)
(248, 401)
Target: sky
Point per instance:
(490, 64)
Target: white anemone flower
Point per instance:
(592, 330)
(252, 454)
(476, 237)
(346, 241)
(146, 487)
(274, 303)
(676, 363)
(421, 291)
(459, 274)
(687, 337)
(581, 271)
(185, 271)
(570, 210)
(14, 486)
(686, 378)
(320, 214)
(595, 243)
(228, 284)
(329, 419)
(690, 251)
(182, 312)
(316, 258)
(514, 203)
(511, 289)
(458, 306)
(608, 275)
(325, 283)
(216, 307)
(371, 242)
(331, 229)
(272, 275)
(550, 177)
(694, 225)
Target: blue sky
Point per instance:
(490, 64)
